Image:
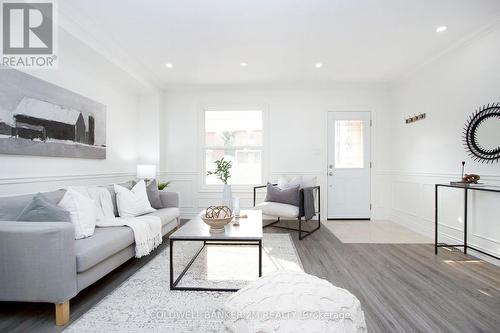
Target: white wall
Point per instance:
(84, 71)
(295, 134)
(149, 110)
(431, 151)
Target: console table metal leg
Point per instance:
(260, 258)
(171, 264)
(436, 219)
(465, 220)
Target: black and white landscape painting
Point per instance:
(39, 118)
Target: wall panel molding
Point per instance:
(486, 238)
(59, 178)
(187, 192)
(431, 174)
(421, 217)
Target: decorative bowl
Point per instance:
(216, 224)
(217, 217)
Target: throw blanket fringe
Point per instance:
(145, 248)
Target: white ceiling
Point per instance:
(358, 41)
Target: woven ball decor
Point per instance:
(218, 212)
(217, 217)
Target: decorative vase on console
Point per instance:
(223, 173)
(227, 196)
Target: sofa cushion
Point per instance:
(12, 206)
(111, 189)
(103, 244)
(278, 209)
(40, 209)
(166, 214)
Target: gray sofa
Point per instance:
(42, 261)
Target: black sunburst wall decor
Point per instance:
(473, 147)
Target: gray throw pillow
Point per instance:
(154, 194)
(289, 195)
(40, 209)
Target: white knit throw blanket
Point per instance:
(147, 229)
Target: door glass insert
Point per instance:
(349, 144)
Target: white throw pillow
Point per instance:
(133, 202)
(309, 181)
(287, 182)
(82, 212)
(102, 200)
(302, 181)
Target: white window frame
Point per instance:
(237, 188)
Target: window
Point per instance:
(348, 144)
(236, 136)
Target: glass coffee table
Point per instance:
(247, 233)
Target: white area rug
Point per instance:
(376, 232)
(145, 302)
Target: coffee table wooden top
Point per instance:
(250, 228)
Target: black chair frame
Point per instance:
(302, 233)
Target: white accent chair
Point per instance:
(287, 212)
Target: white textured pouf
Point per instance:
(288, 301)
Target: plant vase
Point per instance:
(227, 196)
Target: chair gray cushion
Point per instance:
(111, 189)
(12, 206)
(289, 195)
(102, 244)
(165, 214)
(154, 194)
(40, 209)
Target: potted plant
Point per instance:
(162, 186)
(223, 173)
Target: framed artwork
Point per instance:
(42, 119)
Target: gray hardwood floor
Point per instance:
(402, 288)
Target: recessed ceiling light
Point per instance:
(441, 28)
(243, 64)
(318, 65)
(169, 65)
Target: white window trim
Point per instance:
(202, 186)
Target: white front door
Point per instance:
(349, 165)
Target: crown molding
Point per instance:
(84, 30)
(284, 86)
(485, 30)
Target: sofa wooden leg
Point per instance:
(62, 313)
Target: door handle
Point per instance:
(330, 173)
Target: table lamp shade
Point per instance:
(146, 171)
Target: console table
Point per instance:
(466, 189)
